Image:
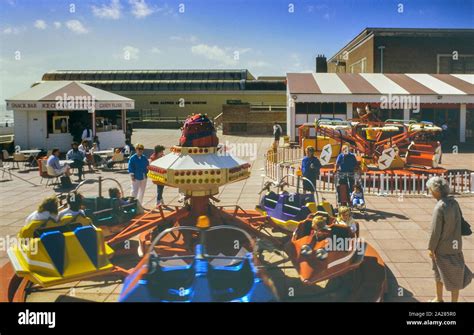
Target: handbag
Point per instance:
(66, 182)
(465, 227)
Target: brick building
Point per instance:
(406, 50)
(244, 118)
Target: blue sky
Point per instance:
(268, 37)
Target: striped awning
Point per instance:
(456, 88)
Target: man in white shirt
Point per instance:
(87, 136)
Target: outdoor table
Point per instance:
(104, 152)
(34, 152)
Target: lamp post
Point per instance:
(381, 57)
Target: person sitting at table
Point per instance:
(86, 150)
(84, 147)
(45, 216)
(96, 141)
(97, 160)
(114, 159)
(78, 159)
(73, 213)
(54, 163)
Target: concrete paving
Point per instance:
(397, 227)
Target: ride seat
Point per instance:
(171, 284)
(54, 244)
(62, 229)
(271, 200)
(88, 238)
(89, 204)
(303, 229)
(77, 220)
(292, 204)
(231, 282)
(341, 232)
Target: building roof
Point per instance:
(344, 87)
(44, 95)
(169, 80)
(407, 32)
(202, 74)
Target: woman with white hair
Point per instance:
(445, 245)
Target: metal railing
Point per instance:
(380, 184)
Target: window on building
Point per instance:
(324, 109)
(179, 86)
(463, 64)
(163, 86)
(116, 87)
(359, 67)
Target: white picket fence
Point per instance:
(382, 184)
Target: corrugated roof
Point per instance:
(381, 84)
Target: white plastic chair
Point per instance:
(118, 158)
(19, 158)
(5, 169)
(53, 176)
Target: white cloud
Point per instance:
(190, 39)
(166, 10)
(57, 24)
(40, 24)
(141, 9)
(76, 27)
(244, 50)
(111, 11)
(129, 53)
(13, 30)
(214, 53)
(155, 50)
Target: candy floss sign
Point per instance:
(114, 105)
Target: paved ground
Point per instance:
(397, 228)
